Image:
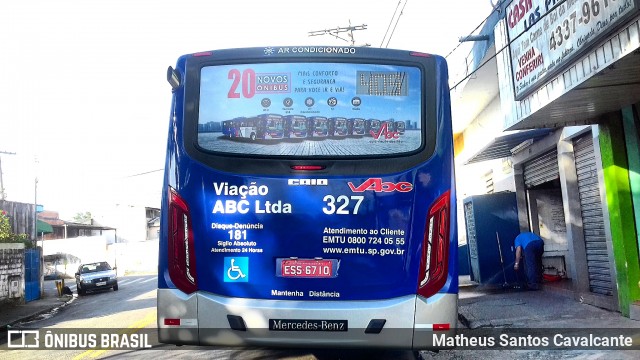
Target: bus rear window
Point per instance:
(310, 109)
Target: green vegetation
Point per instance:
(7, 235)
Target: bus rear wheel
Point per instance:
(253, 136)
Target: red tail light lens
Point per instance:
(204, 53)
(307, 167)
(435, 248)
(182, 260)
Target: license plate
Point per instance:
(307, 325)
(307, 268)
(101, 283)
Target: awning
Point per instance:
(501, 146)
(43, 227)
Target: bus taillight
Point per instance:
(204, 53)
(182, 261)
(307, 167)
(435, 248)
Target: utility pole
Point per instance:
(338, 30)
(35, 204)
(2, 182)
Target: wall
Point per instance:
(11, 272)
(21, 216)
(139, 256)
(469, 177)
(620, 209)
(134, 257)
(87, 248)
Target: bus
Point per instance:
(261, 127)
(356, 126)
(338, 127)
(400, 127)
(296, 126)
(319, 126)
(372, 126)
(346, 244)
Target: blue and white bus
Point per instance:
(319, 126)
(348, 242)
(261, 127)
(356, 126)
(338, 127)
(400, 126)
(297, 126)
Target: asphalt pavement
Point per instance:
(479, 307)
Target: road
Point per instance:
(133, 309)
(132, 306)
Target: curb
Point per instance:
(33, 316)
(464, 321)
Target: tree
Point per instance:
(7, 235)
(5, 227)
(83, 218)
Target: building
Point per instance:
(61, 229)
(549, 103)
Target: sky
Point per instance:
(84, 102)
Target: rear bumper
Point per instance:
(408, 322)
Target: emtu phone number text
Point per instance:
(391, 242)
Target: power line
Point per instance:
(390, 22)
(496, 8)
(397, 21)
(144, 173)
(338, 30)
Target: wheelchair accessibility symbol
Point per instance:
(236, 269)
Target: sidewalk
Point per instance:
(12, 314)
(480, 307)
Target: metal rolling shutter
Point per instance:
(541, 169)
(592, 217)
(472, 241)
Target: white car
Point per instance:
(96, 276)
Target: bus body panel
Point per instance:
(214, 329)
(291, 215)
(233, 225)
(175, 304)
(440, 309)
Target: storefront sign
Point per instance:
(545, 35)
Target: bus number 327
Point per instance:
(341, 205)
